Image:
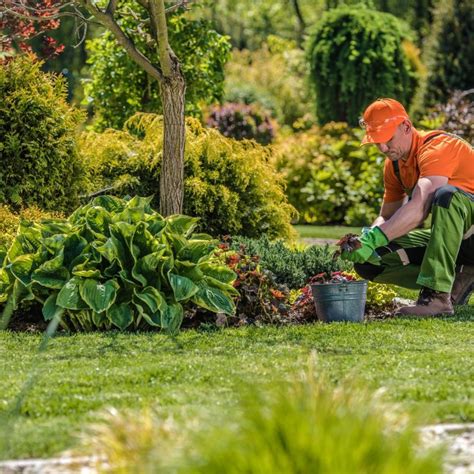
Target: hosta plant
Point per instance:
(115, 263)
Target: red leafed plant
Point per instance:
(23, 20)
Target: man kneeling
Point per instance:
(424, 172)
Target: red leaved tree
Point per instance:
(23, 20)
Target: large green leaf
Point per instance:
(221, 273)
(189, 270)
(54, 280)
(143, 242)
(99, 296)
(194, 250)
(120, 315)
(153, 299)
(106, 249)
(22, 268)
(109, 203)
(86, 270)
(153, 319)
(70, 297)
(172, 318)
(181, 225)
(121, 237)
(55, 243)
(141, 203)
(183, 288)
(146, 270)
(50, 308)
(51, 227)
(98, 221)
(213, 299)
(225, 287)
(155, 224)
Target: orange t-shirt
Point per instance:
(443, 155)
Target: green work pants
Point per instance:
(429, 257)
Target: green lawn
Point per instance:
(425, 365)
(325, 232)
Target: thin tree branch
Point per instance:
(181, 3)
(125, 41)
(158, 17)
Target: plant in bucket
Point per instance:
(338, 296)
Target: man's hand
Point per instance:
(370, 240)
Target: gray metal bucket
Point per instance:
(340, 301)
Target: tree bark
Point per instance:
(173, 89)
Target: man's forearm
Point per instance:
(379, 221)
(407, 218)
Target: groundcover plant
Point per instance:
(115, 263)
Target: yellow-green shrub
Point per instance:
(231, 185)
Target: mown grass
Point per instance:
(424, 364)
(324, 232)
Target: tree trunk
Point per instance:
(173, 90)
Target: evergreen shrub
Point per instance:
(330, 178)
(231, 185)
(356, 55)
(449, 54)
(241, 121)
(292, 267)
(40, 165)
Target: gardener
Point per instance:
(424, 171)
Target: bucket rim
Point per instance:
(351, 282)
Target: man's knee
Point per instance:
(367, 270)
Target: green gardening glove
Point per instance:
(370, 240)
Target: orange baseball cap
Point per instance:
(381, 119)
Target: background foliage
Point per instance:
(449, 51)
(330, 178)
(39, 161)
(230, 185)
(275, 77)
(356, 55)
(118, 87)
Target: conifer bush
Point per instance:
(231, 185)
(356, 55)
(40, 165)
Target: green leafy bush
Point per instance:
(115, 263)
(330, 178)
(355, 56)
(241, 121)
(275, 77)
(230, 185)
(291, 267)
(202, 53)
(39, 162)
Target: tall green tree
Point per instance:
(449, 52)
(356, 55)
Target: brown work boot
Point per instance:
(430, 303)
(463, 285)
